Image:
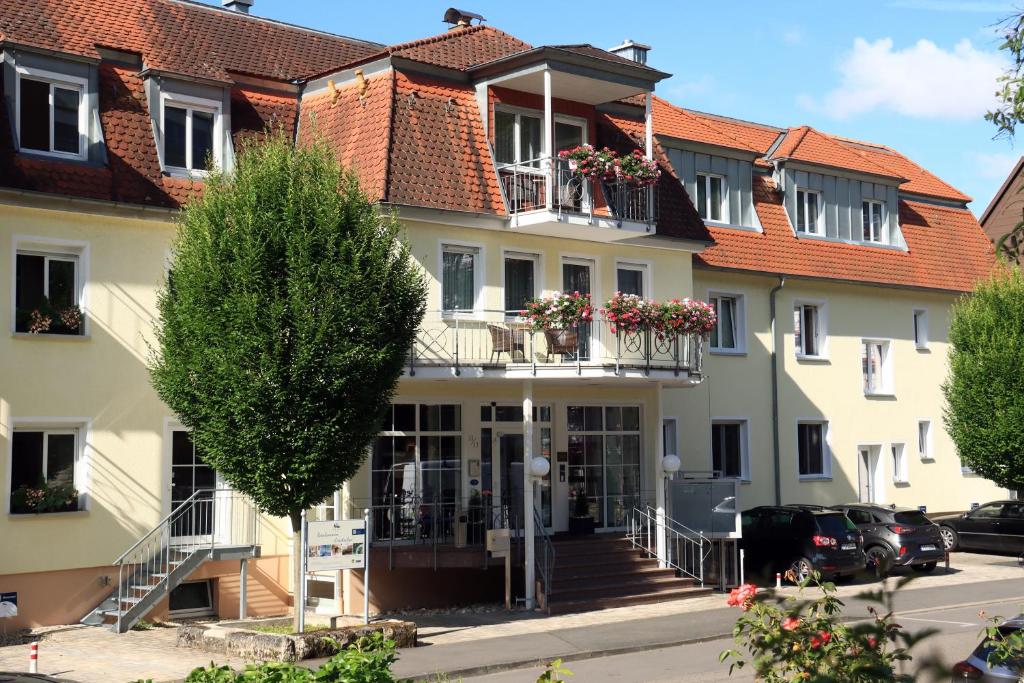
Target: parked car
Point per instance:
(975, 667)
(996, 526)
(896, 537)
(804, 538)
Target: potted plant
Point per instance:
(637, 169)
(560, 311)
(629, 313)
(586, 162)
(52, 496)
(581, 522)
(49, 319)
(689, 316)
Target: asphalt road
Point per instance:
(952, 611)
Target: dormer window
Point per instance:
(51, 113)
(711, 197)
(871, 213)
(517, 138)
(808, 212)
(191, 133)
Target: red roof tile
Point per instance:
(459, 48)
(807, 144)
(918, 179)
(679, 123)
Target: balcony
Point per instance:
(498, 344)
(537, 191)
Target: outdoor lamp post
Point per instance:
(540, 466)
(670, 464)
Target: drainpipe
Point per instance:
(775, 392)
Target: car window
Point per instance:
(860, 516)
(803, 525)
(779, 522)
(834, 525)
(749, 520)
(911, 518)
(988, 511)
(1013, 510)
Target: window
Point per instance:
(875, 357)
(46, 293)
(44, 460)
(808, 330)
(728, 449)
(517, 138)
(604, 460)
(191, 133)
(813, 457)
(711, 197)
(630, 278)
(808, 212)
(871, 216)
(727, 334)
(670, 436)
(921, 329)
(924, 439)
(51, 113)
(520, 285)
(458, 278)
(899, 464)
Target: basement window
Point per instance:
(191, 599)
(51, 113)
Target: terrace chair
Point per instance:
(562, 342)
(506, 340)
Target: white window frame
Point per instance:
(723, 210)
(873, 206)
(821, 315)
(643, 267)
(887, 386)
(900, 467)
(58, 249)
(670, 448)
(478, 276)
(819, 224)
(928, 453)
(66, 82)
(82, 428)
(190, 105)
(520, 112)
(517, 255)
(920, 321)
(744, 425)
(740, 331)
(826, 449)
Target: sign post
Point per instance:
(366, 568)
(339, 544)
(304, 540)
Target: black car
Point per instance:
(896, 537)
(804, 538)
(997, 526)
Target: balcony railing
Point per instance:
(502, 340)
(525, 188)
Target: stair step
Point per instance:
(143, 587)
(615, 580)
(633, 558)
(115, 612)
(603, 549)
(131, 599)
(602, 573)
(625, 600)
(601, 591)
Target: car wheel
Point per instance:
(950, 539)
(802, 569)
(924, 568)
(879, 560)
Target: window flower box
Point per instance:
(53, 496)
(49, 319)
(560, 311)
(686, 316)
(629, 313)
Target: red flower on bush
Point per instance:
(820, 639)
(790, 624)
(742, 597)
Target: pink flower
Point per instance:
(790, 624)
(742, 597)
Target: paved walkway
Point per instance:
(480, 642)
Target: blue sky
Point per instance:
(917, 75)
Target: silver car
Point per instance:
(975, 667)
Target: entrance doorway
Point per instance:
(502, 462)
(190, 475)
(867, 474)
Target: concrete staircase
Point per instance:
(606, 570)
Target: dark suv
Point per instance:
(804, 538)
(896, 537)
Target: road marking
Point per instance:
(940, 621)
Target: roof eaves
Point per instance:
(177, 75)
(877, 174)
(538, 54)
(1007, 182)
(71, 56)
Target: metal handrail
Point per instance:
(159, 525)
(691, 547)
(544, 561)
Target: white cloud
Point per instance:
(993, 166)
(921, 81)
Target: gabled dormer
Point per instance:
(832, 192)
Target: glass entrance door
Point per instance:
(572, 190)
(189, 475)
(502, 451)
(577, 277)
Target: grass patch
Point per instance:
(285, 629)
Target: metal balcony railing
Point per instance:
(525, 188)
(501, 339)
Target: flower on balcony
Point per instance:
(587, 162)
(636, 168)
(560, 311)
(629, 313)
(52, 496)
(51, 319)
(689, 316)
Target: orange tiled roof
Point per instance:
(178, 36)
(807, 144)
(459, 48)
(918, 179)
(936, 236)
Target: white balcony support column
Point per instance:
(528, 530)
(649, 125)
(661, 480)
(339, 514)
(243, 588)
(549, 141)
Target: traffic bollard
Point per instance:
(778, 579)
(33, 658)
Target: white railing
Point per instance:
(525, 187)
(502, 339)
(208, 519)
(685, 550)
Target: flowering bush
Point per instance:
(560, 311)
(637, 168)
(629, 313)
(588, 162)
(791, 639)
(689, 316)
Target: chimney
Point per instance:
(632, 50)
(242, 6)
(460, 18)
